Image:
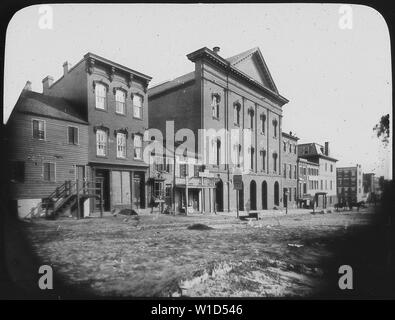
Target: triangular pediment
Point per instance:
(253, 65)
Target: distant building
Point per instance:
(290, 174)
(325, 195)
(349, 184)
(308, 182)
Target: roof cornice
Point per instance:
(90, 55)
(225, 64)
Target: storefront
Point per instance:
(122, 188)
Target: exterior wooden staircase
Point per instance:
(70, 196)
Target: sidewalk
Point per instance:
(270, 213)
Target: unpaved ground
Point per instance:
(294, 255)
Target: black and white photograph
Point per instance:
(176, 151)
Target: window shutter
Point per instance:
(35, 128)
(75, 135)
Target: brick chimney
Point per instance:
(28, 86)
(326, 148)
(47, 83)
(66, 68)
(216, 50)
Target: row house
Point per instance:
(290, 171)
(47, 144)
(350, 184)
(112, 100)
(326, 194)
(237, 93)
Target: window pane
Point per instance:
(120, 101)
(101, 142)
(100, 93)
(137, 106)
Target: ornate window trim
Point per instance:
(101, 127)
(121, 130)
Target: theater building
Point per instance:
(229, 94)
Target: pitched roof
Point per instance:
(171, 83)
(314, 150)
(47, 106)
(267, 84)
(235, 60)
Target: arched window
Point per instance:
(218, 152)
(275, 162)
(263, 156)
(251, 114)
(236, 113)
(275, 127)
(237, 149)
(263, 122)
(252, 154)
(215, 99)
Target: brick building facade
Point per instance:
(234, 93)
(326, 194)
(350, 184)
(290, 168)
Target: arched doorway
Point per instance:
(219, 196)
(276, 194)
(253, 194)
(264, 195)
(241, 198)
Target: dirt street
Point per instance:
(296, 255)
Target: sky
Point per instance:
(332, 63)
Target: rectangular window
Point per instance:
(17, 171)
(72, 135)
(101, 143)
(121, 145)
(49, 171)
(285, 170)
(183, 170)
(39, 129)
(137, 106)
(101, 96)
(138, 146)
(290, 171)
(294, 171)
(120, 98)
